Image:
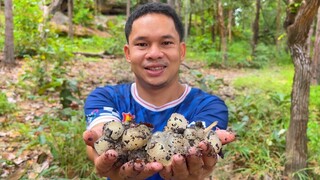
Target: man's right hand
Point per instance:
(104, 163)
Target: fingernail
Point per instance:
(179, 159)
(138, 166)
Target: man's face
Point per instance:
(154, 50)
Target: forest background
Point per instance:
(236, 49)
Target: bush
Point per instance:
(5, 106)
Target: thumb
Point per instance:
(92, 135)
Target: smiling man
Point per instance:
(155, 49)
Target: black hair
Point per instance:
(154, 7)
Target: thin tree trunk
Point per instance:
(55, 6)
(316, 54)
(230, 11)
(278, 25)
(0, 10)
(178, 7)
(214, 25)
(171, 3)
(70, 15)
(186, 20)
(9, 38)
(202, 18)
(222, 30)
(297, 26)
(128, 8)
(255, 28)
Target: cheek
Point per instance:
(136, 56)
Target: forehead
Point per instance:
(153, 24)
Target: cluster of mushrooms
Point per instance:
(134, 141)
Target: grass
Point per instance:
(269, 79)
(260, 114)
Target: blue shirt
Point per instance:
(122, 102)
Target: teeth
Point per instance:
(155, 68)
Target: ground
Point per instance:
(90, 74)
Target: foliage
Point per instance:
(45, 71)
(83, 12)
(64, 139)
(27, 18)
(313, 129)
(260, 115)
(5, 105)
(115, 43)
(208, 83)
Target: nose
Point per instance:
(154, 52)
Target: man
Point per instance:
(155, 49)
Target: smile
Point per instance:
(156, 68)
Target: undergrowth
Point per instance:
(260, 114)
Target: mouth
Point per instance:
(155, 71)
(156, 68)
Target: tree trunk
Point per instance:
(297, 26)
(9, 38)
(214, 25)
(70, 15)
(278, 24)
(128, 8)
(55, 6)
(222, 30)
(186, 19)
(255, 28)
(309, 44)
(230, 11)
(0, 18)
(171, 3)
(202, 18)
(316, 55)
(178, 7)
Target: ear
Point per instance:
(182, 51)
(127, 52)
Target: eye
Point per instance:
(167, 42)
(141, 44)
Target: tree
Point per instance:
(9, 38)
(222, 30)
(316, 55)
(70, 16)
(278, 24)
(171, 3)
(299, 18)
(55, 6)
(186, 17)
(128, 9)
(255, 28)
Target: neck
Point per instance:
(159, 96)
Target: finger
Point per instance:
(166, 173)
(92, 135)
(179, 167)
(195, 162)
(104, 163)
(131, 170)
(209, 156)
(150, 169)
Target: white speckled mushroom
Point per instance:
(176, 122)
(136, 137)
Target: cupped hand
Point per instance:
(105, 164)
(197, 165)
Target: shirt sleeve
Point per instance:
(100, 107)
(212, 109)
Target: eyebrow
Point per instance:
(144, 37)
